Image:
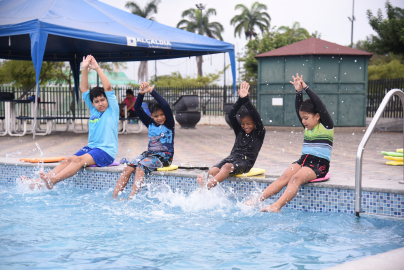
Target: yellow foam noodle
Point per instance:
(395, 163)
(44, 160)
(400, 150)
(169, 168)
(394, 158)
(252, 172)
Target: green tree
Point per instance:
(296, 31)
(390, 31)
(249, 19)
(193, 23)
(176, 80)
(147, 12)
(390, 70)
(270, 40)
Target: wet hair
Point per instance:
(154, 106)
(97, 92)
(308, 106)
(129, 91)
(243, 112)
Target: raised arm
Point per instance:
(104, 80)
(232, 116)
(325, 117)
(170, 122)
(144, 117)
(299, 85)
(243, 98)
(298, 102)
(84, 73)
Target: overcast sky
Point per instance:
(330, 18)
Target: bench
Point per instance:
(24, 119)
(125, 124)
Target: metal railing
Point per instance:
(377, 89)
(211, 99)
(361, 148)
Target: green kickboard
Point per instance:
(392, 154)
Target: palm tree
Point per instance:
(210, 29)
(149, 10)
(249, 19)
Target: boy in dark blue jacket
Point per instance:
(161, 141)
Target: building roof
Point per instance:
(313, 46)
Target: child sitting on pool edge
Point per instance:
(316, 153)
(102, 146)
(250, 134)
(161, 141)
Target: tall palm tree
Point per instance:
(192, 24)
(249, 19)
(147, 12)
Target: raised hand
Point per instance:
(243, 91)
(297, 82)
(86, 62)
(93, 63)
(144, 88)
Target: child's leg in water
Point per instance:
(58, 168)
(218, 175)
(123, 180)
(303, 176)
(137, 184)
(66, 170)
(276, 186)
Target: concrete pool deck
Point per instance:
(206, 145)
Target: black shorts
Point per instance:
(132, 113)
(320, 166)
(240, 165)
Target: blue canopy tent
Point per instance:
(67, 30)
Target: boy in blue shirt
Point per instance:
(102, 146)
(161, 141)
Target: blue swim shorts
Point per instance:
(101, 158)
(151, 161)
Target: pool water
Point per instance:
(70, 228)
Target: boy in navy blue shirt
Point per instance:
(102, 146)
(161, 141)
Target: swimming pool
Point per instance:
(74, 228)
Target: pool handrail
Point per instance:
(361, 148)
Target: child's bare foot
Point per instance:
(200, 181)
(32, 183)
(271, 208)
(47, 182)
(251, 202)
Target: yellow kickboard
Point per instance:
(395, 163)
(252, 172)
(394, 158)
(169, 168)
(399, 150)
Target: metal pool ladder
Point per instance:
(358, 170)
